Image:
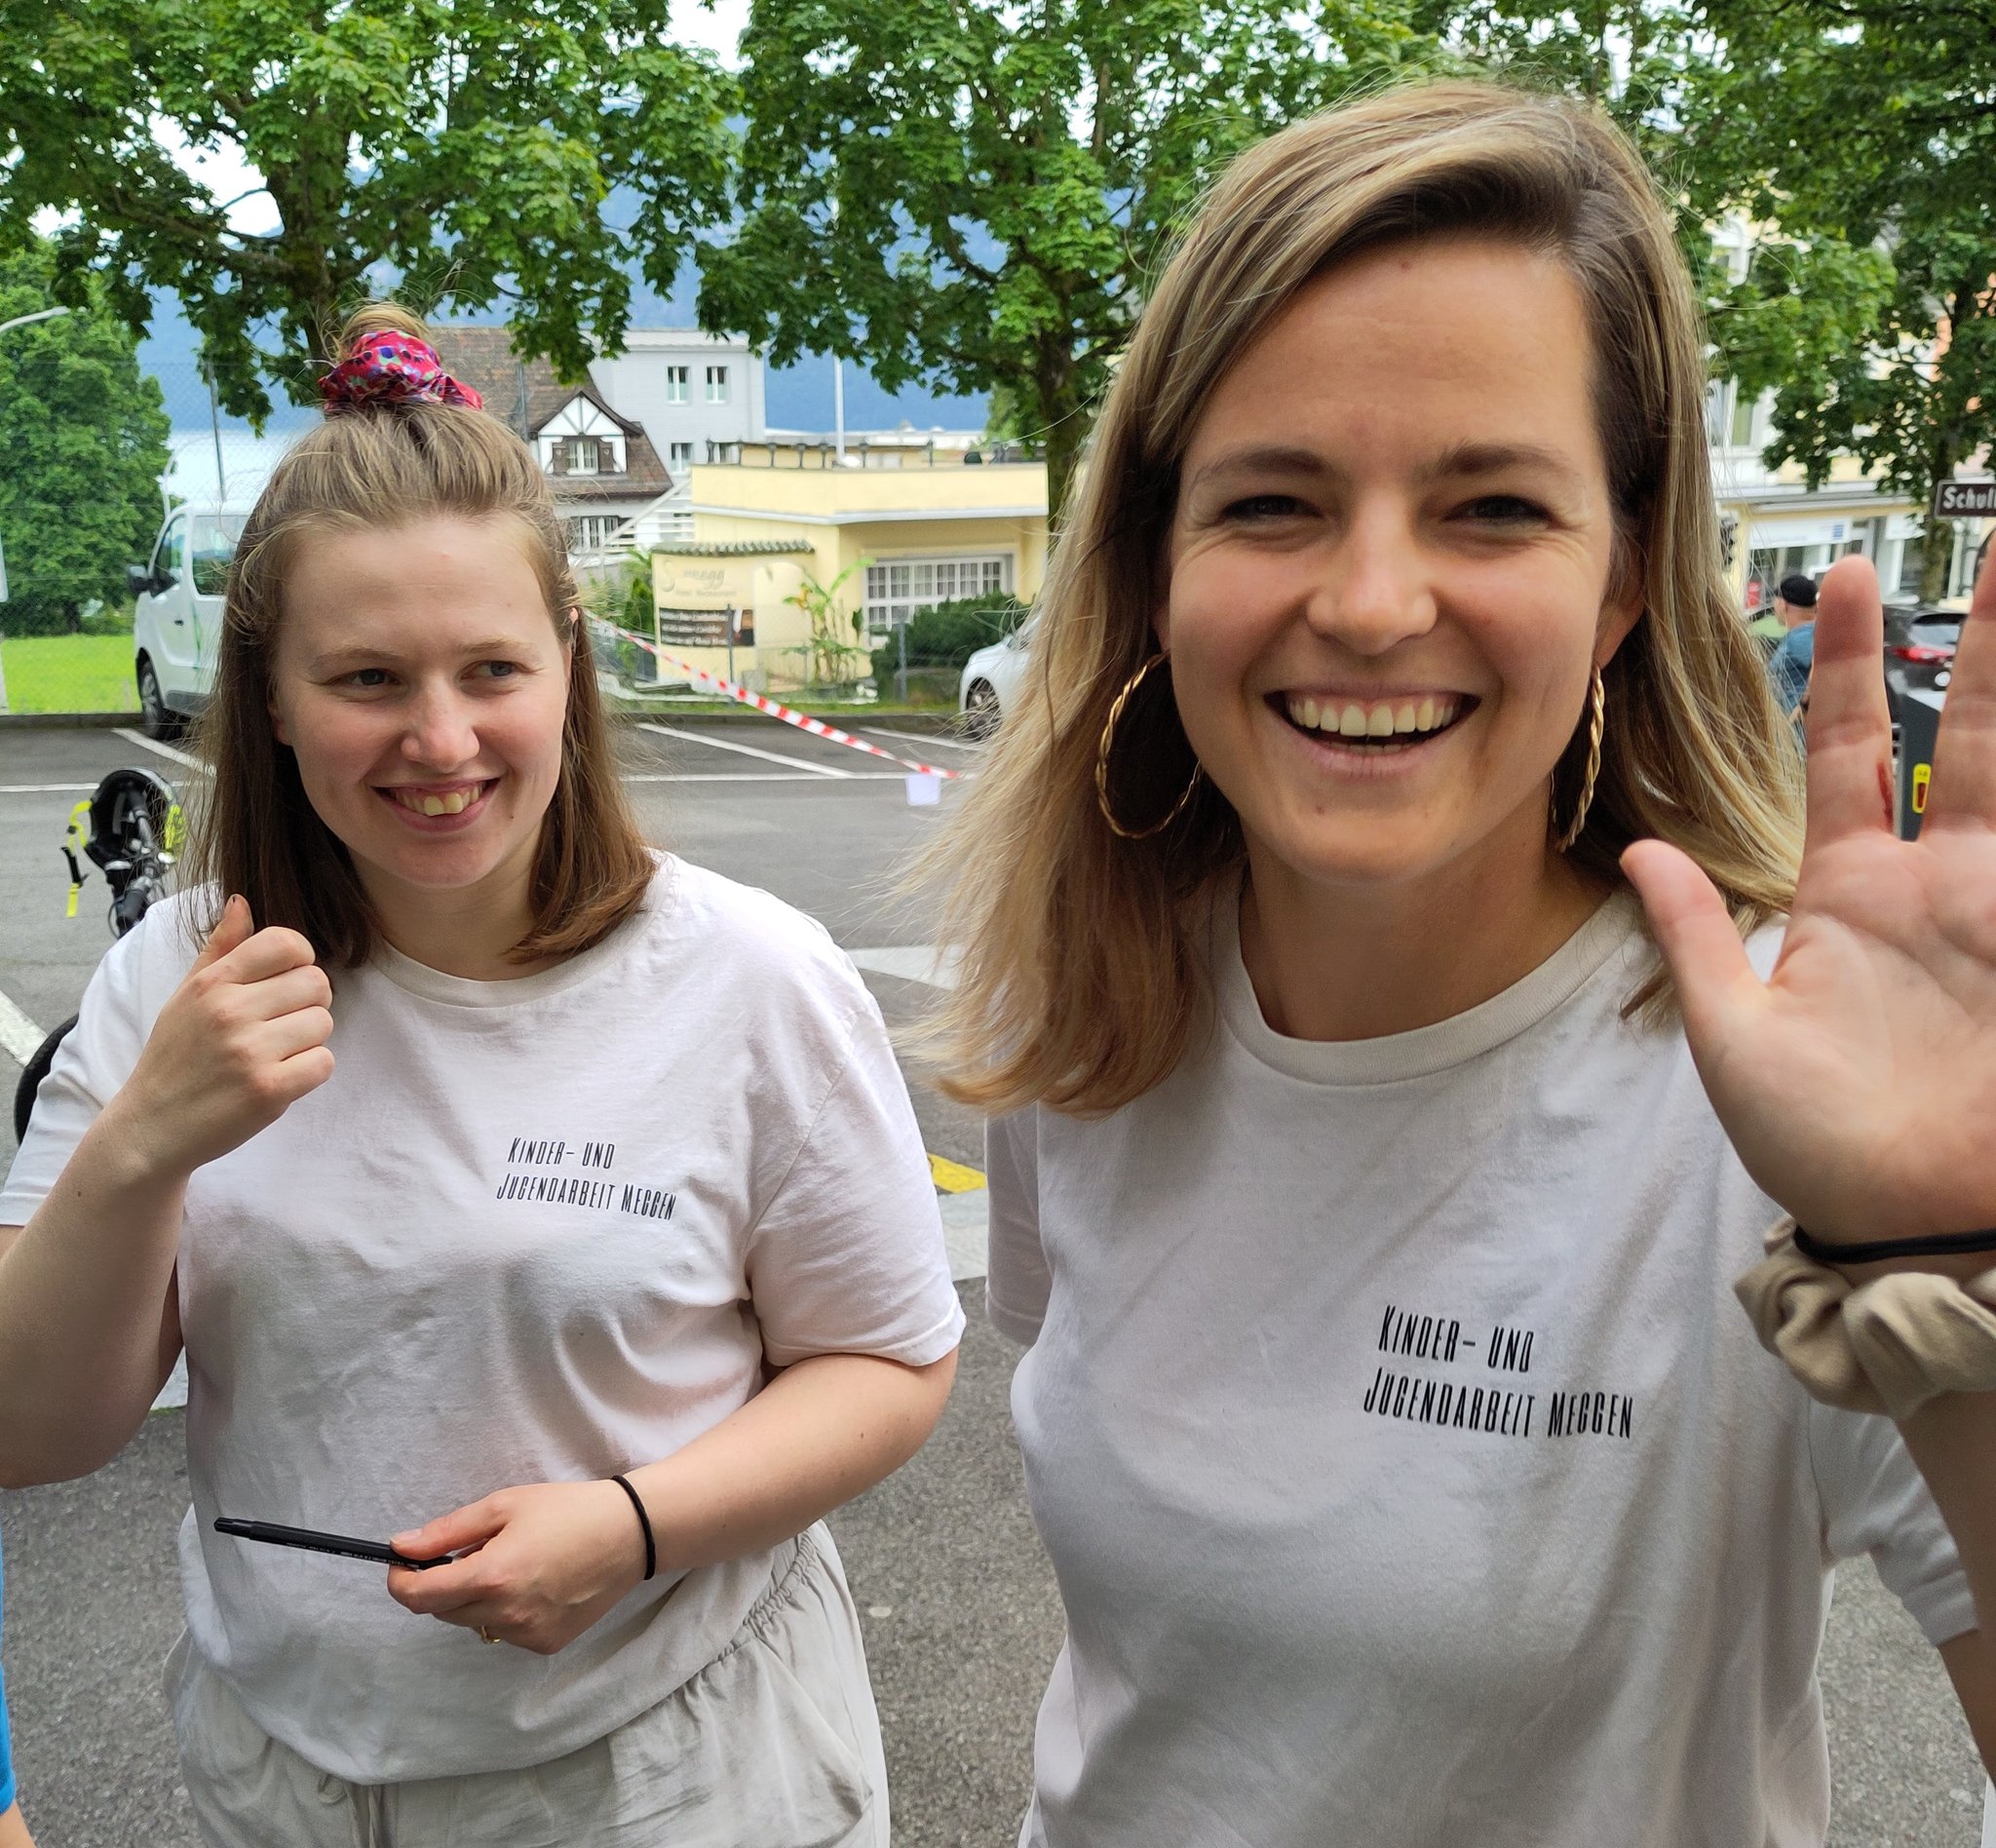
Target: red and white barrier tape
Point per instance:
(776, 708)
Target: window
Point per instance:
(678, 390)
(897, 590)
(680, 460)
(593, 533)
(1746, 419)
(716, 384)
(214, 545)
(583, 455)
(171, 559)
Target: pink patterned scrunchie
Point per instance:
(393, 368)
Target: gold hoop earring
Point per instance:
(1597, 699)
(1107, 744)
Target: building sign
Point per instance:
(1964, 500)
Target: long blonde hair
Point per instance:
(255, 830)
(1083, 972)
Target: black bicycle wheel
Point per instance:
(37, 1068)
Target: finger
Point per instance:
(1716, 987)
(289, 992)
(269, 952)
(1964, 786)
(470, 1525)
(449, 1592)
(279, 1041)
(231, 929)
(1849, 726)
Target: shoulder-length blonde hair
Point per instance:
(254, 829)
(1083, 978)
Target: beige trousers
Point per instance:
(775, 1744)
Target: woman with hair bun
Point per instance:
(549, 1206)
(1368, 1187)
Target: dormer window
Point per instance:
(583, 455)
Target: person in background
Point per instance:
(13, 1831)
(1795, 653)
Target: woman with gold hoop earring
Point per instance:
(1376, 1139)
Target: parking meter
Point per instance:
(1919, 724)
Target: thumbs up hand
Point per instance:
(241, 1041)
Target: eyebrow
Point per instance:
(1459, 459)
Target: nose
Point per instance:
(1373, 593)
(439, 734)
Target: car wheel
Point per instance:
(156, 718)
(36, 1070)
(980, 710)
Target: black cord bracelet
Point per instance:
(651, 1552)
(1935, 1245)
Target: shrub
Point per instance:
(948, 634)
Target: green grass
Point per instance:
(69, 673)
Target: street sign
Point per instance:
(1964, 500)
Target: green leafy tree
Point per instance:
(471, 146)
(1860, 132)
(83, 442)
(975, 194)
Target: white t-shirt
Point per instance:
(1412, 1474)
(535, 1230)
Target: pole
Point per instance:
(732, 681)
(214, 423)
(900, 672)
(838, 406)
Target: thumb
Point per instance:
(232, 929)
(468, 1526)
(1716, 986)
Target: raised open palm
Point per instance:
(1859, 1083)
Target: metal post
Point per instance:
(900, 672)
(732, 613)
(838, 405)
(214, 423)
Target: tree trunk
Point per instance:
(1937, 553)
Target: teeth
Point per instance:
(455, 803)
(1353, 720)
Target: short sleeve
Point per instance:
(1016, 1282)
(95, 1057)
(848, 1256)
(1875, 1501)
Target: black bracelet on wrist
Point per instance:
(651, 1552)
(1935, 1245)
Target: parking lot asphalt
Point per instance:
(961, 1614)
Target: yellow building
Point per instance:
(886, 541)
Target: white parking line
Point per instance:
(18, 1035)
(966, 1232)
(923, 738)
(910, 962)
(747, 751)
(138, 738)
(46, 788)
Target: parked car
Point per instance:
(990, 681)
(1919, 649)
(176, 621)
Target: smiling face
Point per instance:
(422, 685)
(1389, 568)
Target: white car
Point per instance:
(178, 619)
(991, 680)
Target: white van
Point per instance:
(177, 620)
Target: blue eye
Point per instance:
(499, 669)
(368, 678)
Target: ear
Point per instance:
(277, 718)
(1622, 609)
